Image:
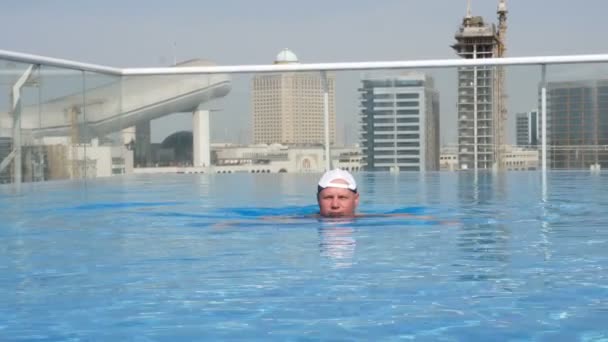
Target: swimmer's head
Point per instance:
(337, 194)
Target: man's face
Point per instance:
(337, 202)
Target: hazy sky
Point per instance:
(141, 33)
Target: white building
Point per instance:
(273, 158)
(448, 159)
(276, 158)
(288, 107)
(514, 159)
(400, 123)
(519, 159)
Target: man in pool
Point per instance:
(337, 194)
(337, 197)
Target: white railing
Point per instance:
(56, 62)
(420, 64)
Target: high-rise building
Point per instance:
(399, 123)
(577, 124)
(526, 129)
(288, 107)
(481, 96)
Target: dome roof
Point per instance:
(286, 56)
(181, 144)
(181, 139)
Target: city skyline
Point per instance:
(235, 32)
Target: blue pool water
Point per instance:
(194, 257)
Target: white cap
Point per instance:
(328, 180)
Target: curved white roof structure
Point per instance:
(124, 103)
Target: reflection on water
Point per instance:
(337, 243)
(484, 240)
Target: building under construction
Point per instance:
(482, 108)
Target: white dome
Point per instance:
(286, 56)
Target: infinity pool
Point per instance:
(208, 257)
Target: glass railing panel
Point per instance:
(21, 158)
(78, 124)
(107, 139)
(34, 166)
(56, 123)
(10, 72)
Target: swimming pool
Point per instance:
(191, 257)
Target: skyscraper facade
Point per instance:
(526, 129)
(481, 96)
(288, 107)
(577, 124)
(399, 123)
